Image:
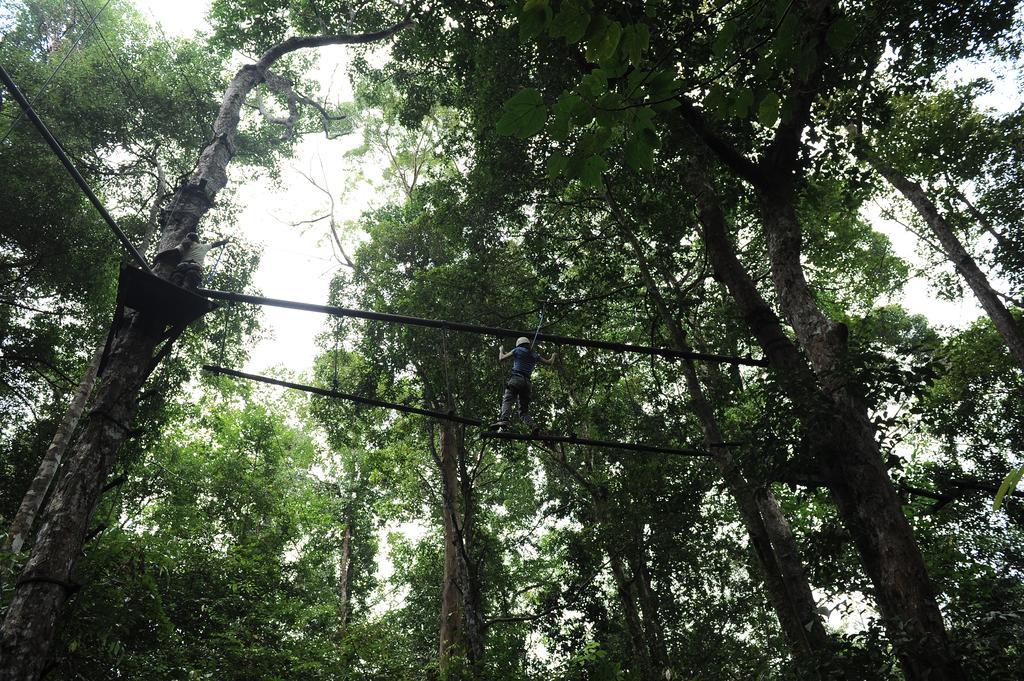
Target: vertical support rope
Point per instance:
(540, 323)
(213, 270)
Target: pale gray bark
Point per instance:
(451, 636)
(461, 631)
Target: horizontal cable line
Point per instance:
(572, 439)
(476, 328)
(373, 402)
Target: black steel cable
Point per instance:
(477, 328)
(72, 170)
(605, 444)
(371, 401)
(67, 55)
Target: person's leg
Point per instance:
(193, 277)
(524, 404)
(507, 400)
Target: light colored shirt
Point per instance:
(196, 253)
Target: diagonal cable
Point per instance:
(68, 54)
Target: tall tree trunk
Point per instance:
(1008, 327)
(31, 620)
(864, 494)
(461, 630)
(25, 518)
(840, 434)
(452, 640)
(654, 631)
(48, 467)
(627, 598)
(773, 543)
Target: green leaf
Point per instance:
(635, 40)
(724, 38)
(768, 110)
(714, 100)
(534, 17)
(661, 84)
(639, 154)
(1009, 485)
(595, 82)
(742, 103)
(643, 119)
(591, 172)
(566, 111)
(841, 34)
(596, 141)
(557, 163)
(571, 22)
(524, 114)
(763, 68)
(604, 39)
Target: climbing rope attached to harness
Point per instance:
(213, 270)
(540, 323)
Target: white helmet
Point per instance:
(522, 340)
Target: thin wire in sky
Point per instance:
(67, 55)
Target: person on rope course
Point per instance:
(524, 359)
(188, 258)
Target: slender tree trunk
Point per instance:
(472, 605)
(344, 576)
(461, 630)
(840, 433)
(774, 546)
(654, 632)
(627, 598)
(1008, 327)
(31, 620)
(452, 639)
(33, 499)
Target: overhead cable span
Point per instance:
(72, 170)
(572, 439)
(370, 401)
(476, 328)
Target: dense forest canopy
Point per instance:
(720, 180)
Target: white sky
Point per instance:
(298, 265)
